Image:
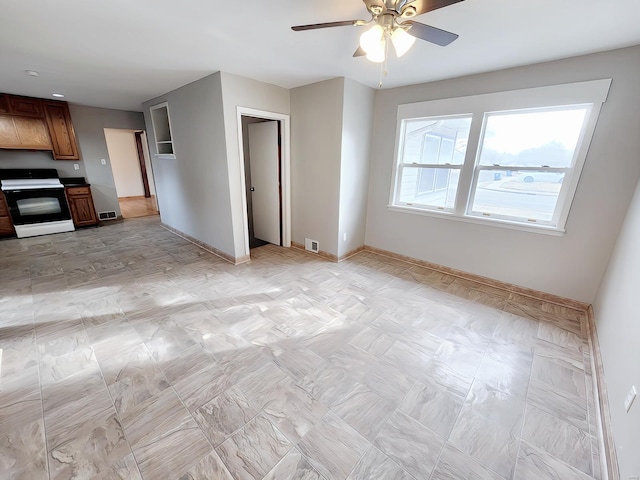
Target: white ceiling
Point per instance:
(119, 53)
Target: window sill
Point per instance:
(165, 155)
(544, 230)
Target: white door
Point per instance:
(264, 160)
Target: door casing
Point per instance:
(285, 169)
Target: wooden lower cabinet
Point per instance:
(81, 205)
(6, 225)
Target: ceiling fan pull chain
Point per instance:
(383, 65)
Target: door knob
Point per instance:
(252, 189)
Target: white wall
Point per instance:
(123, 154)
(244, 92)
(193, 189)
(316, 144)
(618, 326)
(571, 265)
(357, 125)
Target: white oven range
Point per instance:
(36, 200)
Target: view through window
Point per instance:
(524, 160)
(521, 167)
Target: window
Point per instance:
(433, 151)
(162, 130)
(515, 160)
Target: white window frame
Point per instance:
(169, 141)
(400, 166)
(593, 93)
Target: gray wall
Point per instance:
(193, 189)
(571, 265)
(616, 313)
(89, 124)
(243, 92)
(316, 136)
(31, 159)
(357, 125)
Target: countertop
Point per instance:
(74, 182)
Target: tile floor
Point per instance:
(128, 353)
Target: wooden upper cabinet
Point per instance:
(37, 124)
(63, 137)
(33, 133)
(25, 106)
(4, 104)
(24, 133)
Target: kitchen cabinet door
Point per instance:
(25, 106)
(6, 225)
(4, 103)
(23, 133)
(63, 137)
(81, 205)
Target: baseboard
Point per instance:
(352, 253)
(527, 292)
(610, 458)
(326, 255)
(205, 246)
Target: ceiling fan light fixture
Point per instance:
(409, 11)
(371, 40)
(378, 55)
(402, 41)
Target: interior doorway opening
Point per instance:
(262, 169)
(132, 172)
(264, 143)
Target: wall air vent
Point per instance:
(107, 215)
(311, 245)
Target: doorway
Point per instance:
(262, 159)
(265, 171)
(132, 173)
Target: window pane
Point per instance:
(435, 141)
(524, 195)
(433, 187)
(532, 138)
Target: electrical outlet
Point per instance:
(103, 161)
(76, 166)
(631, 396)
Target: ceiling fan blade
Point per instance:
(424, 6)
(359, 52)
(315, 26)
(430, 34)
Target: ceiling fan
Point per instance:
(392, 24)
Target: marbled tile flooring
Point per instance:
(129, 353)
